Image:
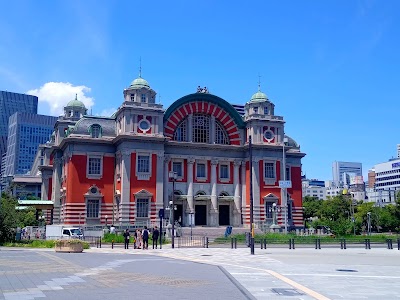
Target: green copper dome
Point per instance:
(259, 97)
(76, 103)
(140, 83)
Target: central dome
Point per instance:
(259, 97)
(76, 103)
(140, 83)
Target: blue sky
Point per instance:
(330, 67)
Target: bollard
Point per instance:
(112, 244)
(206, 242)
(389, 243)
(231, 243)
(317, 243)
(367, 244)
(291, 244)
(342, 243)
(100, 241)
(235, 243)
(265, 243)
(398, 244)
(97, 242)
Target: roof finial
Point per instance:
(140, 67)
(259, 82)
(76, 96)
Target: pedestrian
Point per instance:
(145, 236)
(156, 235)
(126, 238)
(139, 239)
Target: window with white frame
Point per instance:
(180, 132)
(177, 168)
(92, 208)
(94, 166)
(224, 172)
(201, 170)
(143, 162)
(269, 170)
(143, 98)
(142, 208)
(265, 110)
(221, 136)
(132, 97)
(255, 109)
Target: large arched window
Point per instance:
(221, 137)
(201, 128)
(180, 132)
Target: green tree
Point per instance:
(8, 218)
(311, 206)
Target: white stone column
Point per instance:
(160, 121)
(125, 187)
(214, 199)
(243, 181)
(190, 201)
(135, 123)
(212, 130)
(160, 182)
(190, 128)
(236, 185)
(167, 159)
(256, 189)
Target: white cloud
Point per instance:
(58, 94)
(108, 112)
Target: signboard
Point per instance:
(287, 184)
(396, 165)
(191, 219)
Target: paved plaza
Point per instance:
(199, 273)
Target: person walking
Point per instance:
(145, 236)
(126, 238)
(156, 235)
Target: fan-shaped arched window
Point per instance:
(201, 128)
(95, 131)
(180, 132)
(221, 137)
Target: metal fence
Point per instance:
(192, 242)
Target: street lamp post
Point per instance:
(191, 225)
(173, 176)
(274, 210)
(284, 193)
(251, 197)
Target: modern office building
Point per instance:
(26, 131)
(387, 175)
(398, 150)
(11, 103)
(339, 168)
(120, 167)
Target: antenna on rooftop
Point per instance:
(259, 82)
(140, 67)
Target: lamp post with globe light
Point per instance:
(172, 176)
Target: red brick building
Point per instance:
(117, 167)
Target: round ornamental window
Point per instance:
(93, 190)
(268, 135)
(144, 125)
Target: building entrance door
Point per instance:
(224, 215)
(200, 216)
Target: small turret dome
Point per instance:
(76, 103)
(259, 97)
(139, 83)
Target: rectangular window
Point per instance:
(269, 171)
(287, 173)
(132, 97)
(143, 98)
(265, 110)
(224, 172)
(201, 170)
(143, 164)
(92, 210)
(256, 109)
(94, 166)
(142, 208)
(177, 167)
